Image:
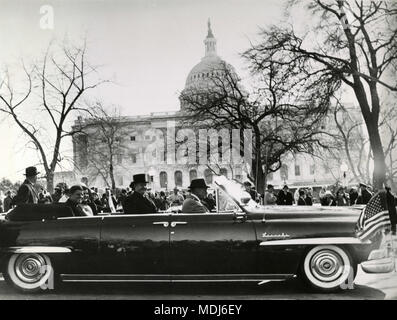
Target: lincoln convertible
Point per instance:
(241, 241)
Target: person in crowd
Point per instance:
(76, 194)
(353, 195)
(138, 202)
(122, 197)
(1, 206)
(58, 193)
(301, 199)
(161, 201)
(341, 198)
(27, 192)
(88, 204)
(8, 201)
(270, 197)
(210, 202)
(329, 199)
(44, 196)
(309, 197)
(363, 195)
(98, 203)
(250, 190)
(194, 201)
(175, 199)
(285, 197)
(321, 194)
(65, 195)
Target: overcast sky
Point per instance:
(146, 47)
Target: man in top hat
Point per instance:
(193, 202)
(26, 192)
(137, 202)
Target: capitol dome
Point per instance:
(210, 65)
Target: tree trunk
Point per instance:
(258, 170)
(111, 173)
(50, 181)
(379, 174)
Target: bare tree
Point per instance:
(351, 43)
(56, 84)
(281, 117)
(105, 131)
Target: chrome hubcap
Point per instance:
(326, 265)
(29, 267)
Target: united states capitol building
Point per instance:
(139, 132)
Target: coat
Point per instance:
(26, 194)
(192, 204)
(285, 199)
(136, 203)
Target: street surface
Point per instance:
(368, 286)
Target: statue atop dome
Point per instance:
(210, 34)
(210, 42)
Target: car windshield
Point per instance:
(232, 195)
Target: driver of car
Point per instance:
(193, 202)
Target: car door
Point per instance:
(135, 244)
(211, 244)
(80, 234)
(276, 259)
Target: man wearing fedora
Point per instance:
(137, 202)
(364, 195)
(26, 192)
(193, 202)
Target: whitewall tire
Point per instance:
(328, 268)
(29, 272)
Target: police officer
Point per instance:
(193, 202)
(137, 202)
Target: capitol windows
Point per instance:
(312, 169)
(133, 158)
(192, 174)
(297, 170)
(132, 138)
(163, 179)
(178, 178)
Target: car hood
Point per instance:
(307, 222)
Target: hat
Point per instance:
(247, 183)
(363, 185)
(31, 171)
(198, 183)
(139, 178)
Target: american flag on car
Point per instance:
(374, 217)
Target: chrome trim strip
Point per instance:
(173, 278)
(306, 241)
(37, 249)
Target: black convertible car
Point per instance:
(241, 241)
